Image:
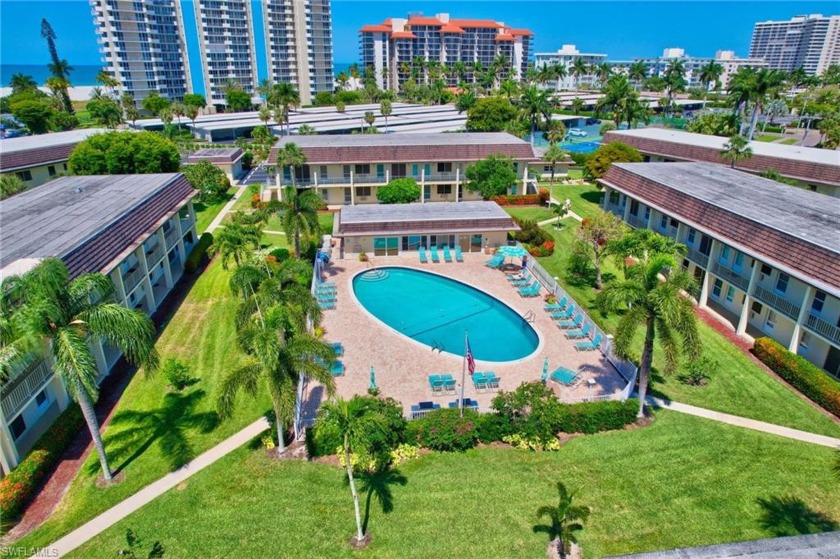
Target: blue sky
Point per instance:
(619, 29)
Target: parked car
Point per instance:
(577, 132)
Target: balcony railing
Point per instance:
(368, 179)
(171, 237)
(730, 276)
(333, 180)
(441, 177)
(154, 255)
(790, 310)
(637, 222)
(131, 279)
(698, 257)
(823, 328)
(24, 386)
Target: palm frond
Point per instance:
(626, 330)
(669, 345)
(244, 379)
(74, 362)
(130, 330)
(87, 288)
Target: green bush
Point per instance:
(806, 377)
(399, 191)
(592, 417)
(17, 488)
(531, 233)
(323, 98)
(774, 128)
(178, 374)
(198, 253)
(323, 442)
(492, 427)
(348, 97)
(281, 254)
(247, 160)
(446, 430)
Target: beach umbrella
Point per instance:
(372, 378)
(545, 370)
(512, 251)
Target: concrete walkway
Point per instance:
(738, 421)
(242, 191)
(113, 515)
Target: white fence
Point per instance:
(300, 422)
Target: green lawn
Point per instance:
(243, 203)
(767, 137)
(683, 481)
(789, 141)
(585, 197)
(206, 213)
(534, 213)
(325, 219)
(740, 388)
(274, 240)
(166, 429)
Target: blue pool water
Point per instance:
(581, 147)
(436, 311)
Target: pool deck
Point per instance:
(403, 365)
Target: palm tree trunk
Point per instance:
(359, 534)
(93, 425)
(754, 121)
(281, 438)
(644, 365)
(297, 244)
(598, 283)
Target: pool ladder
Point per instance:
(529, 316)
(438, 346)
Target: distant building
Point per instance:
(811, 42)
(176, 47)
(732, 63)
(38, 159)
(390, 47)
(229, 160)
(135, 229)
(567, 56)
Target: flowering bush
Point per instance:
(531, 443)
(517, 200)
(256, 201)
(268, 442)
(545, 249)
(801, 373)
(17, 488)
(445, 430)
(404, 453)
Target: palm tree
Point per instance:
(579, 69)
(385, 110)
(22, 82)
(552, 155)
(559, 71)
(637, 72)
(710, 73)
(10, 185)
(61, 318)
(465, 101)
(354, 71)
(264, 89)
(636, 110)
(675, 78)
(234, 240)
(565, 519)
(354, 421)
(578, 104)
(178, 109)
(509, 88)
(617, 93)
(659, 305)
(299, 215)
(740, 89)
(766, 85)
(107, 80)
(736, 149)
(191, 112)
(264, 114)
(291, 156)
(370, 118)
(556, 132)
(535, 105)
(284, 95)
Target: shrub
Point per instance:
(592, 417)
(699, 371)
(177, 374)
(531, 233)
(256, 201)
(544, 196)
(579, 158)
(600, 160)
(18, 487)
(492, 427)
(280, 254)
(247, 160)
(445, 430)
(806, 377)
(525, 443)
(403, 453)
(518, 200)
(399, 191)
(532, 410)
(198, 253)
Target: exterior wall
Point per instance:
(567, 57)
(34, 176)
(810, 42)
(356, 245)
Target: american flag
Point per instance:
(470, 360)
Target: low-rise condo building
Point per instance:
(766, 255)
(568, 56)
(38, 159)
(229, 160)
(136, 229)
(349, 168)
(816, 169)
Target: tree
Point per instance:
(369, 118)
(490, 114)
(675, 78)
(578, 105)
(766, 84)
(654, 299)
(491, 176)
(552, 155)
(736, 149)
(264, 114)
(299, 215)
(105, 111)
(306, 130)
(191, 112)
(399, 191)
(285, 96)
(238, 100)
(196, 100)
(556, 132)
(710, 74)
(637, 72)
(618, 93)
(534, 103)
(578, 70)
(59, 68)
(655, 83)
(34, 114)
(124, 153)
(598, 163)
(565, 519)
(385, 110)
(234, 241)
(63, 317)
(10, 185)
(606, 127)
(354, 421)
(465, 101)
(340, 106)
(154, 103)
(597, 233)
(713, 124)
(210, 181)
(22, 82)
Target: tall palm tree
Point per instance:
(617, 93)
(556, 132)
(565, 519)
(369, 118)
(579, 69)
(536, 107)
(22, 82)
(58, 67)
(299, 215)
(107, 80)
(264, 89)
(509, 88)
(385, 110)
(354, 421)
(559, 71)
(765, 87)
(552, 155)
(740, 89)
(60, 318)
(285, 96)
(710, 74)
(264, 114)
(190, 111)
(736, 149)
(675, 78)
(638, 73)
(658, 305)
(234, 241)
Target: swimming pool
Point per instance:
(436, 310)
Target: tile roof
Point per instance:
(375, 29)
(41, 149)
(476, 23)
(521, 32)
(807, 164)
(403, 35)
(87, 221)
(216, 155)
(403, 148)
(797, 229)
(420, 20)
(449, 28)
(504, 37)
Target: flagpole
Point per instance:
(463, 376)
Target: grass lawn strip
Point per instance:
(683, 481)
(205, 214)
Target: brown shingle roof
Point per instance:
(216, 155)
(32, 151)
(34, 157)
(793, 251)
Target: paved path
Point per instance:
(274, 232)
(738, 421)
(243, 191)
(113, 515)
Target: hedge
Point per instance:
(445, 430)
(540, 199)
(198, 252)
(806, 377)
(18, 488)
(592, 417)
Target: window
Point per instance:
(717, 288)
(615, 197)
(730, 295)
(17, 427)
(674, 223)
(363, 191)
(782, 282)
(397, 170)
(804, 342)
(323, 171)
(24, 175)
(739, 262)
(755, 310)
(427, 192)
(346, 172)
(663, 222)
(444, 189)
(51, 170)
(770, 321)
(41, 397)
(447, 167)
(765, 271)
(692, 235)
(634, 208)
(818, 302)
(362, 169)
(724, 255)
(647, 213)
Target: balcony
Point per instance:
(23, 386)
(153, 255)
(790, 310)
(368, 179)
(730, 276)
(132, 278)
(322, 181)
(171, 237)
(441, 177)
(637, 222)
(823, 328)
(698, 257)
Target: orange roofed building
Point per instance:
(464, 47)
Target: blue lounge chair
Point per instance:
(558, 306)
(436, 383)
(459, 256)
(327, 284)
(496, 261)
(468, 403)
(422, 408)
(491, 379)
(422, 253)
(590, 345)
(337, 369)
(337, 348)
(326, 305)
(563, 315)
(447, 256)
(327, 297)
(479, 381)
(564, 376)
(569, 324)
(579, 334)
(520, 279)
(435, 257)
(449, 383)
(532, 290)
